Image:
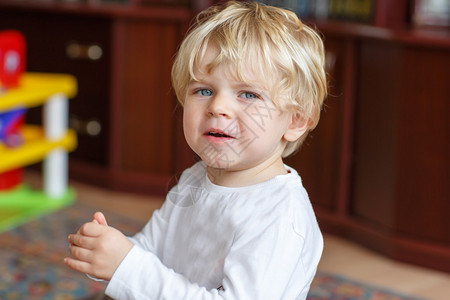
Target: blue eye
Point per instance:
(204, 92)
(249, 95)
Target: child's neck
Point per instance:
(246, 177)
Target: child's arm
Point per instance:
(97, 249)
(266, 262)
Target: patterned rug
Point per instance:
(31, 262)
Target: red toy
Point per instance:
(12, 66)
(12, 58)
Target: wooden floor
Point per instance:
(340, 256)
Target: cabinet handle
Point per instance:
(75, 50)
(90, 127)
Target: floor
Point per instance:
(340, 256)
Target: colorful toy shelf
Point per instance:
(35, 148)
(50, 143)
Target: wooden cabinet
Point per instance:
(48, 46)
(125, 113)
(402, 141)
(392, 190)
(377, 166)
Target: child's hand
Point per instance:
(97, 249)
(99, 218)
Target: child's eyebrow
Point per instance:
(194, 81)
(253, 87)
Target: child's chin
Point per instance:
(219, 163)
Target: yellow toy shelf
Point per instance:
(49, 143)
(34, 149)
(36, 89)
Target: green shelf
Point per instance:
(23, 204)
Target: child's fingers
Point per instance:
(100, 218)
(81, 254)
(92, 229)
(78, 265)
(82, 241)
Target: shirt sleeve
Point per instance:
(266, 261)
(150, 236)
(269, 262)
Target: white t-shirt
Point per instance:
(213, 242)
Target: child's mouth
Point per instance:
(217, 135)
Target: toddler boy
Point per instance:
(239, 224)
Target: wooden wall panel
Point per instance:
(423, 195)
(376, 133)
(147, 133)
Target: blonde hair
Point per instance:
(273, 42)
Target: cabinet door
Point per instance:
(319, 159)
(78, 45)
(376, 126)
(423, 182)
(147, 133)
(401, 175)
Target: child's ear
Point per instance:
(298, 126)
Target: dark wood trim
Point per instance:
(398, 247)
(391, 14)
(437, 37)
(110, 10)
(118, 31)
(347, 128)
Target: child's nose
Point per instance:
(220, 105)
